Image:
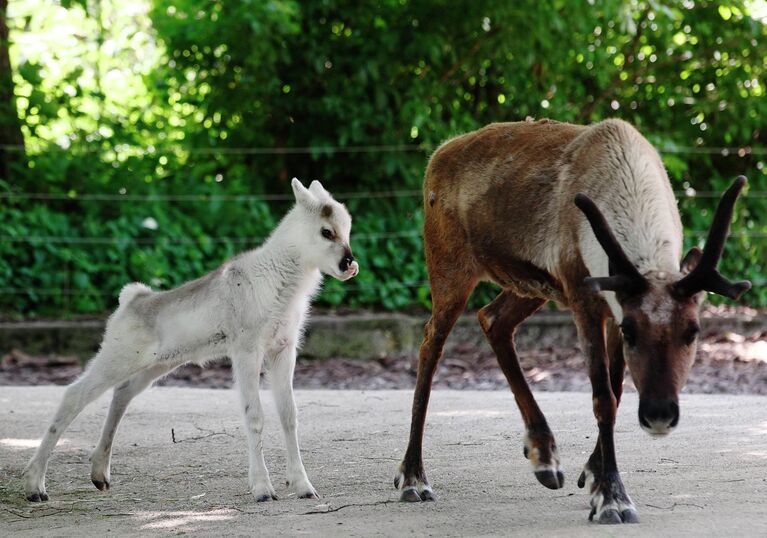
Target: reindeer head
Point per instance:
(323, 233)
(660, 309)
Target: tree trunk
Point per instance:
(11, 138)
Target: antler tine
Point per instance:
(720, 226)
(624, 275)
(705, 276)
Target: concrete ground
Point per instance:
(709, 478)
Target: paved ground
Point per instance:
(707, 479)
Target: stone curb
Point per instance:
(357, 336)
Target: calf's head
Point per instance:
(660, 322)
(323, 231)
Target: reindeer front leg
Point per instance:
(593, 466)
(281, 371)
(609, 501)
(247, 372)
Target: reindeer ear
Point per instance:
(302, 194)
(690, 260)
(705, 277)
(318, 190)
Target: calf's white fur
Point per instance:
(250, 309)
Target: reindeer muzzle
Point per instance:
(658, 417)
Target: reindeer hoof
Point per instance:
(551, 479)
(629, 516)
(582, 480)
(37, 497)
(309, 495)
(410, 495)
(609, 502)
(428, 495)
(101, 485)
(415, 488)
(610, 517)
(266, 497)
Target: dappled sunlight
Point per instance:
(761, 429)
(737, 346)
(175, 520)
(20, 444)
(25, 444)
(756, 351)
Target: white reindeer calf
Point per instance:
(250, 309)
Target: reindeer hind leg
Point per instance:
(499, 321)
(108, 368)
(123, 394)
(448, 301)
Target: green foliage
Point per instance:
(158, 97)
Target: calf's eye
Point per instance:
(327, 234)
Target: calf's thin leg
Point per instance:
(499, 321)
(247, 371)
(448, 300)
(105, 370)
(609, 501)
(281, 376)
(123, 394)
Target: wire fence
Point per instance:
(363, 237)
(294, 150)
(725, 151)
(124, 197)
(182, 240)
(74, 196)
(202, 198)
(76, 292)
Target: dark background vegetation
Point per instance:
(149, 140)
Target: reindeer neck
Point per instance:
(281, 263)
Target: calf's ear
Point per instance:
(318, 190)
(302, 194)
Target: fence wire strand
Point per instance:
(725, 151)
(689, 194)
(363, 237)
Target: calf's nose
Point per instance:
(346, 261)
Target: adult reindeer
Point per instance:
(500, 205)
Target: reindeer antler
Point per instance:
(624, 276)
(705, 276)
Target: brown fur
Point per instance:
(498, 206)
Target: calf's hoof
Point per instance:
(101, 485)
(37, 497)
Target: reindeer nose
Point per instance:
(658, 417)
(346, 261)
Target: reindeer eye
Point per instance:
(327, 234)
(691, 333)
(628, 329)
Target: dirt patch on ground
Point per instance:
(726, 364)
